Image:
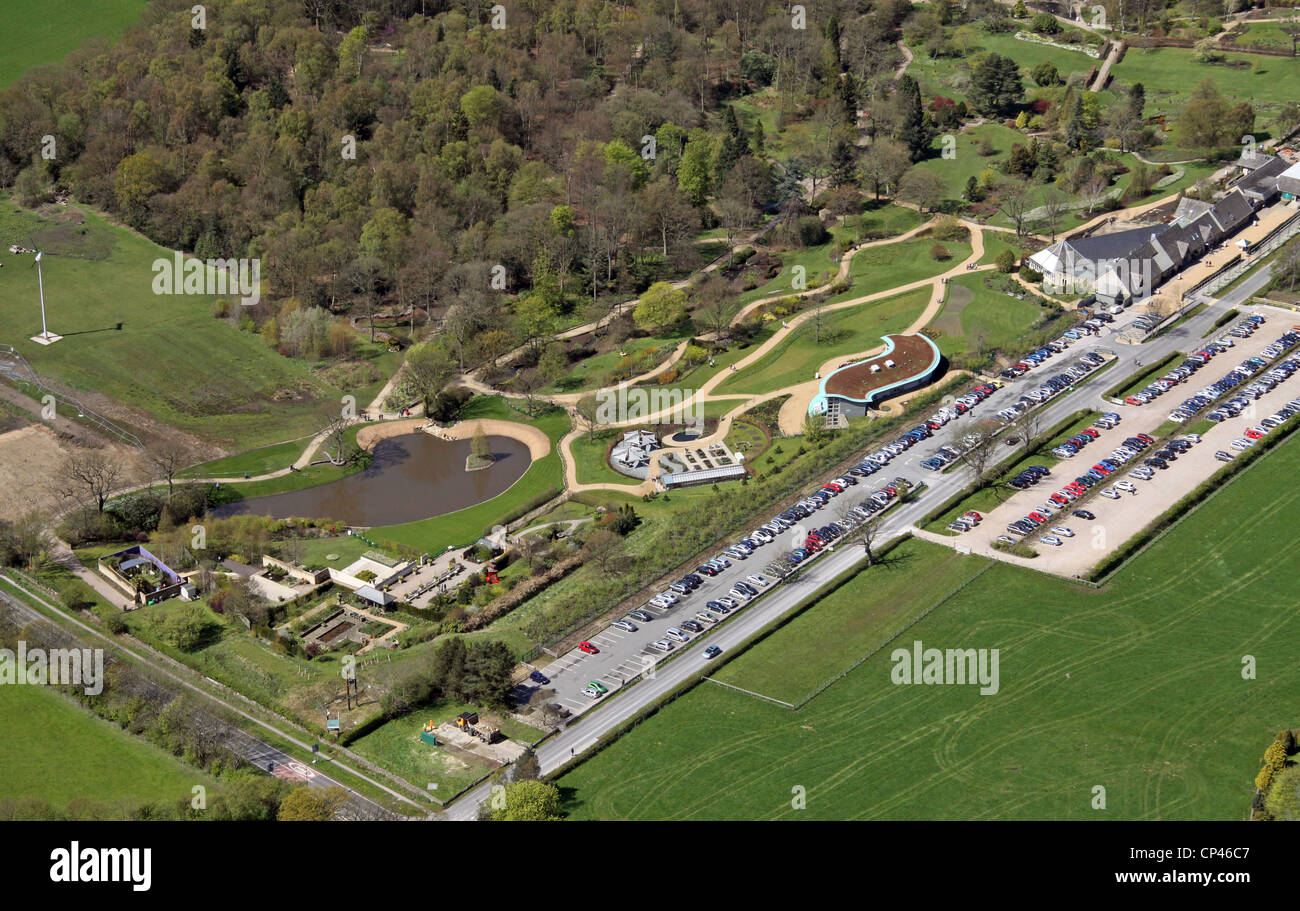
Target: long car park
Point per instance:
(779, 600)
(713, 593)
(1123, 479)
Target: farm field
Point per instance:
(58, 752)
(172, 360)
(1136, 687)
(34, 31)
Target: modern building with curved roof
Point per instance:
(907, 363)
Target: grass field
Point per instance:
(877, 269)
(263, 460)
(1136, 687)
(171, 359)
(974, 315)
(849, 331)
(33, 32)
(1169, 75)
(58, 752)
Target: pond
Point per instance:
(410, 477)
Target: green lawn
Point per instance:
(1169, 75)
(968, 161)
(790, 667)
(254, 462)
(849, 331)
(590, 373)
(973, 312)
(171, 358)
(878, 269)
(33, 32)
(56, 751)
(1136, 687)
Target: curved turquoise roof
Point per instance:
(821, 400)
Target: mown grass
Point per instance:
(33, 32)
(58, 752)
(849, 331)
(171, 358)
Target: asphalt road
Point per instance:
(623, 655)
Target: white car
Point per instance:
(1126, 486)
(662, 644)
(679, 635)
(1063, 530)
(739, 595)
(1051, 539)
(758, 580)
(705, 617)
(625, 625)
(1110, 493)
(591, 693)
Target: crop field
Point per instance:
(41, 31)
(58, 752)
(1137, 687)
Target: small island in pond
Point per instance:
(480, 451)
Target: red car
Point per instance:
(1145, 437)
(588, 648)
(974, 515)
(1253, 433)
(1088, 431)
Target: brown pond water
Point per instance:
(410, 477)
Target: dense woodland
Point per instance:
(564, 153)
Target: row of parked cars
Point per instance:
(1180, 374)
(814, 542)
(1243, 373)
(1234, 406)
(1053, 386)
(1057, 345)
(1070, 447)
(1062, 499)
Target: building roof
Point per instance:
(374, 595)
(1132, 262)
(1289, 180)
(1253, 162)
(1262, 181)
(704, 474)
